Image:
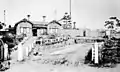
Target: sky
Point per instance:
(86, 13)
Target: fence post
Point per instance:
(96, 52)
(20, 52)
(93, 52)
(5, 51)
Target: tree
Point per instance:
(113, 25)
(117, 21)
(110, 26)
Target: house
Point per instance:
(24, 27)
(53, 27)
(30, 28)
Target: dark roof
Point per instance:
(34, 23)
(23, 20)
(39, 24)
(55, 22)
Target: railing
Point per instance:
(51, 41)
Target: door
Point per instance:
(34, 32)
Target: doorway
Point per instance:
(34, 32)
(84, 33)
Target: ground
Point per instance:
(73, 52)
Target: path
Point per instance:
(26, 44)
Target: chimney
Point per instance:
(44, 18)
(74, 25)
(28, 16)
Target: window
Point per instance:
(28, 30)
(21, 30)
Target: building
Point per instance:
(39, 28)
(30, 28)
(54, 27)
(24, 27)
(66, 21)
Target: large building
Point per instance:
(30, 28)
(60, 27)
(24, 27)
(37, 28)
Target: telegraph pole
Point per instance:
(4, 16)
(70, 8)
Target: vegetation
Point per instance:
(113, 25)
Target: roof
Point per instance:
(34, 23)
(39, 24)
(55, 22)
(23, 20)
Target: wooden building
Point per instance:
(30, 28)
(39, 28)
(24, 27)
(54, 27)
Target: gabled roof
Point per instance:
(23, 20)
(55, 22)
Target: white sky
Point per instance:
(87, 13)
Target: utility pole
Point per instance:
(70, 12)
(70, 8)
(4, 16)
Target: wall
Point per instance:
(24, 25)
(53, 28)
(74, 32)
(71, 32)
(41, 31)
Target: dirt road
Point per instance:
(72, 51)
